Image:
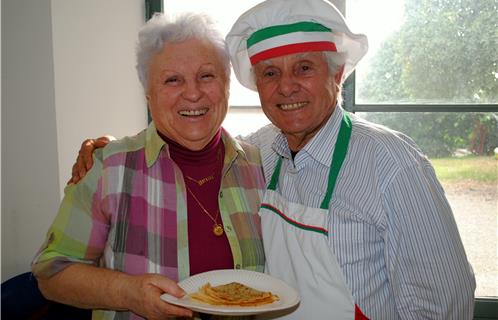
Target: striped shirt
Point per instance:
(129, 213)
(390, 225)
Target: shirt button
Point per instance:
(237, 266)
(221, 194)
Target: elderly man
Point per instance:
(354, 216)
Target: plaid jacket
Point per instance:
(129, 213)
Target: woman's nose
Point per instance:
(192, 91)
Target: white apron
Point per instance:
(297, 250)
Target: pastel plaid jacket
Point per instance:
(129, 213)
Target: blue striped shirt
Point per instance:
(390, 225)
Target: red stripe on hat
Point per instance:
(293, 48)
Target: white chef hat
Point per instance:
(275, 28)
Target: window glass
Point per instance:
(434, 52)
(427, 52)
(461, 148)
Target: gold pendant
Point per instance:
(202, 181)
(205, 180)
(218, 230)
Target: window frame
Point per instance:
(484, 307)
(151, 7)
(349, 93)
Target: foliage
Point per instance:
(440, 134)
(445, 51)
(479, 169)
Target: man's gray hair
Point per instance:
(162, 29)
(335, 61)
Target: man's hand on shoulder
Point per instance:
(84, 161)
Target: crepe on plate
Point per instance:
(233, 294)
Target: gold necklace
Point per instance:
(201, 181)
(217, 227)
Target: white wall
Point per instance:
(67, 74)
(96, 85)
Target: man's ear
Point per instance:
(339, 74)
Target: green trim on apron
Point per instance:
(340, 151)
(274, 177)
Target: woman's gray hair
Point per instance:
(162, 29)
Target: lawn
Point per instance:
(479, 169)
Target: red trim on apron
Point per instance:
(358, 315)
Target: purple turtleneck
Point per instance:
(206, 250)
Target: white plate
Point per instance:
(257, 280)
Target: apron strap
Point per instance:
(340, 151)
(274, 176)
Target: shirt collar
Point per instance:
(233, 150)
(315, 148)
(153, 145)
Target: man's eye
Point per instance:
(269, 73)
(305, 67)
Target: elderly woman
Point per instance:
(177, 199)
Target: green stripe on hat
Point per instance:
(273, 31)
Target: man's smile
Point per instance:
(291, 106)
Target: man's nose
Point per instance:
(288, 85)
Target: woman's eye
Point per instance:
(206, 76)
(171, 80)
